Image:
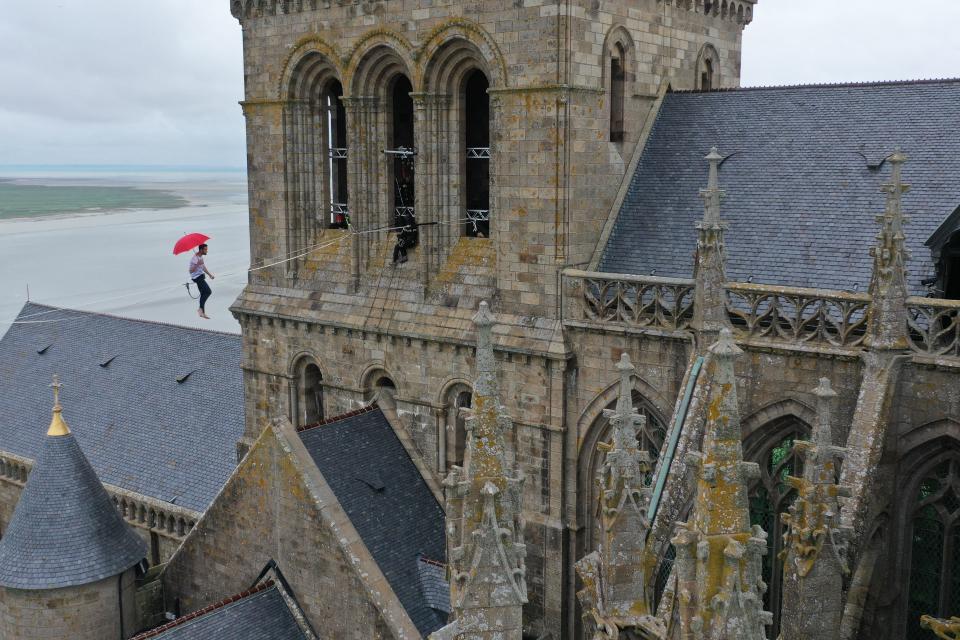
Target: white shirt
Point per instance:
(196, 266)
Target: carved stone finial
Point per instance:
(485, 524)
(710, 295)
(719, 555)
(815, 544)
(713, 194)
(486, 381)
(887, 327)
(58, 426)
(617, 594)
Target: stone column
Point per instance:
(616, 590)
(815, 560)
(486, 553)
(710, 297)
(719, 555)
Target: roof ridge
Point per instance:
(126, 318)
(342, 416)
(152, 633)
(826, 85)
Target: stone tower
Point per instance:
(67, 560)
(504, 131)
(814, 559)
(719, 584)
(616, 577)
(484, 521)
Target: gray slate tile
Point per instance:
(140, 429)
(802, 177)
(398, 523)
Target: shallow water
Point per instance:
(121, 262)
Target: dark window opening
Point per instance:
(935, 548)
(477, 164)
(706, 77)
(154, 548)
(337, 156)
(402, 155)
(950, 267)
(311, 395)
(382, 389)
(617, 87)
(464, 401)
(770, 498)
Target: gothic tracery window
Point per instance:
(770, 498)
(935, 547)
(708, 69)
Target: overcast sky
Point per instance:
(157, 81)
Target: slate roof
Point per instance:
(260, 614)
(802, 176)
(141, 429)
(387, 500)
(65, 530)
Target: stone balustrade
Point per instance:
(141, 511)
(788, 317)
(798, 316)
(934, 326)
(633, 302)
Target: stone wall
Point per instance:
(267, 511)
(86, 612)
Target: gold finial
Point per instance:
(58, 426)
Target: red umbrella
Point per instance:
(189, 241)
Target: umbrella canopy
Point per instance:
(189, 241)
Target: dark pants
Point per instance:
(204, 288)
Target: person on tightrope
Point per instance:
(198, 273)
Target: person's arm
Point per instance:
(207, 271)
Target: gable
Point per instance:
(276, 506)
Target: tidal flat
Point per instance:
(19, 200)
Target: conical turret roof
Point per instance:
(65, 530)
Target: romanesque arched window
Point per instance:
(316, 151)
(771, 497)
(708, 69)
(402, 152)
(307, 394)
(618, 77)
(336, 131)
(934, 540)
(456, 398)
(476, 170)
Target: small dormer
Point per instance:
(945, 251)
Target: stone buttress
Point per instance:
(486, 553)
(815, 544)
(720, 589)
(616, 577)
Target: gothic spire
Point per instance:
(718, 553)
(815, 543)
(888, 285)
(486, 554)
(710, 299)
(616, 593)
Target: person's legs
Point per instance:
(205, 293)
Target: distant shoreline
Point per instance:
(20, 201)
